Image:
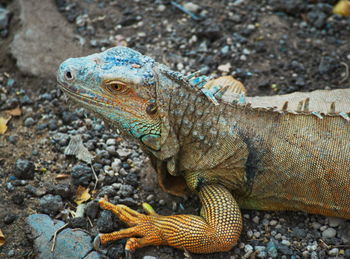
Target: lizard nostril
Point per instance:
(69, 75)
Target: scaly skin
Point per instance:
(212, 231)
(223, 149)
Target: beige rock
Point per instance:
(45, 39)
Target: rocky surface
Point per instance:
(4, 21)
(69, 243)
(37, 53)
(273, 46)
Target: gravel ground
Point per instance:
(273, 47)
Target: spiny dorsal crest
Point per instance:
(319, 103)
(228, 90)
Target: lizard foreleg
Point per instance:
(216, 229)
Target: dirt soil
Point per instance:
(272, 46)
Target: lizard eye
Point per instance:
(115, 87)
(151, 109)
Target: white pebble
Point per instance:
(273, 222)
(246, 51)
(312, 247)
(257, 234)
(243, 57)
(150, 197)
(251, 26)
(333, 252)
(249, 233)
(116, 165)
(323, 228)
(248, 248)
(111, 142)
(225, 67)
(329, 233)
(180, 66)
(278, 236)
(285, 242)
(315, 225)
(335, 222)
(161, 8)
(256, 220)
(191, 7)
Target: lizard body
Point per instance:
(294, 156)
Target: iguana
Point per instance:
(288, 152)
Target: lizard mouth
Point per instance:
(81, 96)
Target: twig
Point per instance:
(187, 254)
(346, 72)
(96, 179)
(90, 222)
(183, 9)
(324, 243)
(55, 236)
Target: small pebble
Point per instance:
(315, 225)
(285, 242)
(329, 233)
(9, 218)
(161, 8)
(50, 204)
(11, 253)
(335, 222)
(323, 228)
(12, 139)
(333, 252)
(272, 249)
(257, 234)
(261, 251)
(248, 248)
(105, 222)
(225, 67)
(28, 122)
(92, 208)
(273, 222)
(24, 169)
(192, 7)
(111, 142)
(150, 197)
(81, 174)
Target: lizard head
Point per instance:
(119, 85)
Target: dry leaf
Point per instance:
(3, 124)
(342, 8)
(14, 112)
(76, 148)
(79, 212)
(62, 176)
(82, 195)
(2, 238)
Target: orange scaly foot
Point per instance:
(140, 225)
(217, 229)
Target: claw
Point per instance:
(148, 209)
(102, 203)
(97, 244)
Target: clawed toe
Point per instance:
(97, 244)
(140, 226)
